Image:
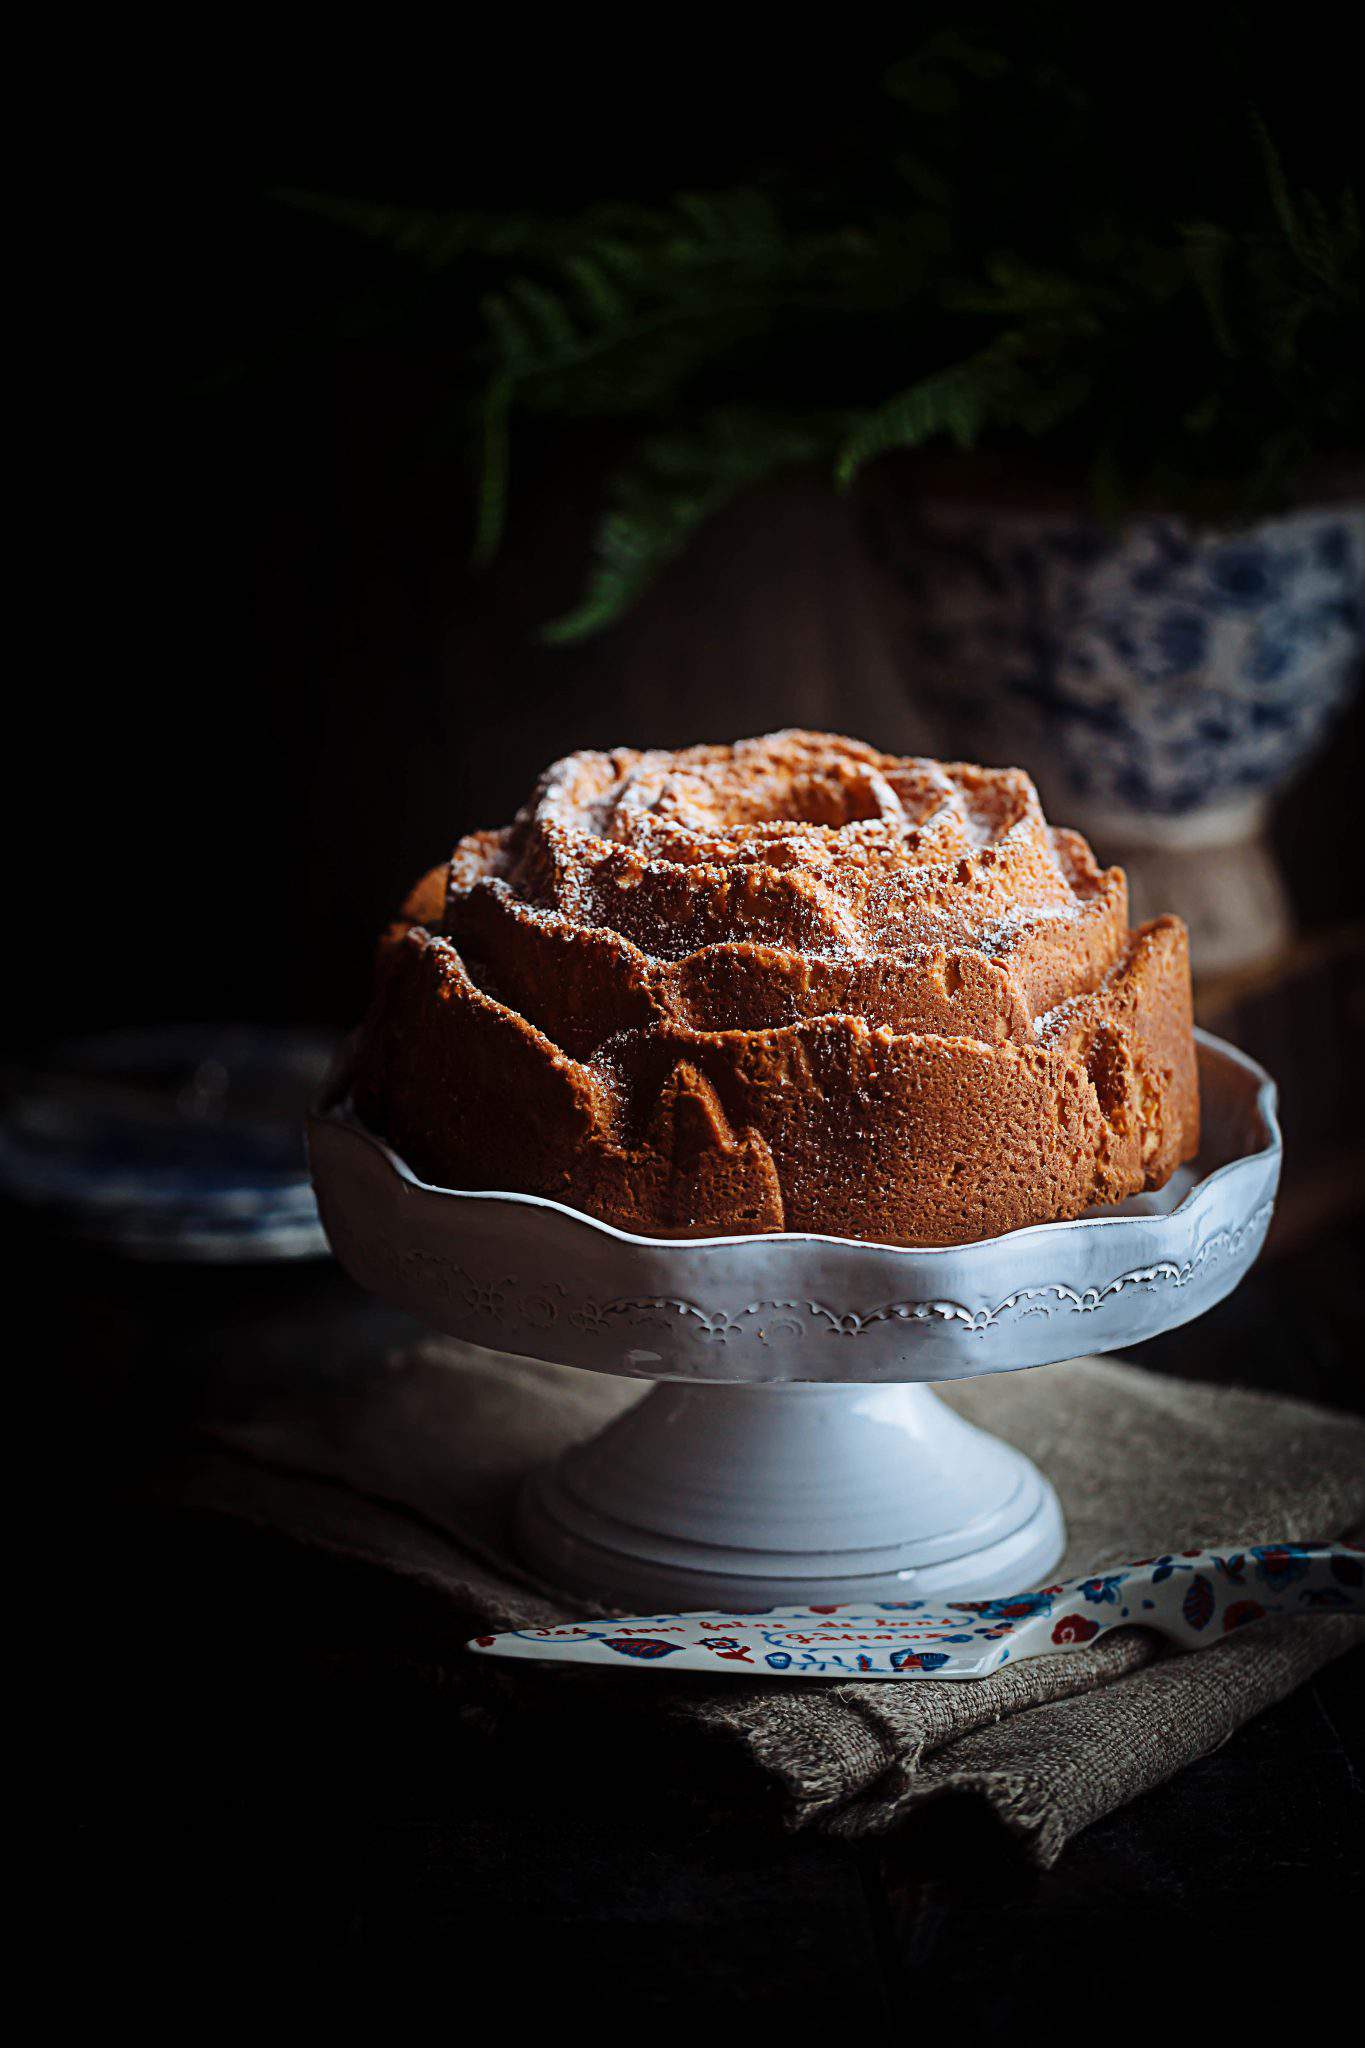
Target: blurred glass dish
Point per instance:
(180, 1142)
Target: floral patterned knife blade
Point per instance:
(1193, 1597)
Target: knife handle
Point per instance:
(1193, 1597)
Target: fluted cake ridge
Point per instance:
(790, 983)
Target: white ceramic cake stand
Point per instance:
(793, 1450)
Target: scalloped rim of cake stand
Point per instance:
(790, 1453)
(527, 1274)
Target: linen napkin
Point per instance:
(416, 1469)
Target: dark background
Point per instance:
(269, 693)
(274, 693)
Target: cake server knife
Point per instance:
(1193, 1597)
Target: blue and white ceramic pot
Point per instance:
(1159, 681)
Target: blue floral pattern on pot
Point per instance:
(1156, 670)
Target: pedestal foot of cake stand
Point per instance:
(764, 1496)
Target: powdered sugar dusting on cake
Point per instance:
(796, 839)
(791, 983)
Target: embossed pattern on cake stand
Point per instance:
(794, 1449)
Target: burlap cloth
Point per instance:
(416, 1471)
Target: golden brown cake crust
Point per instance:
(792, 984)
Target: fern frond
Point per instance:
(549, 322)
(1195, 354)
(435, 239)
(1207, 250)
(514, 342)
(601, 298)
(1021, 291)
(676, 483)
(1328, 249)
(955, 402)
(1282, 204)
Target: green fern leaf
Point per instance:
(602, 299)
(513, 340)
(555, 337)
(955, 402)
(1282, 205)
(424, 234)
(1207, 249)
(676, 484)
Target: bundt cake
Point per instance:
(790, 984)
